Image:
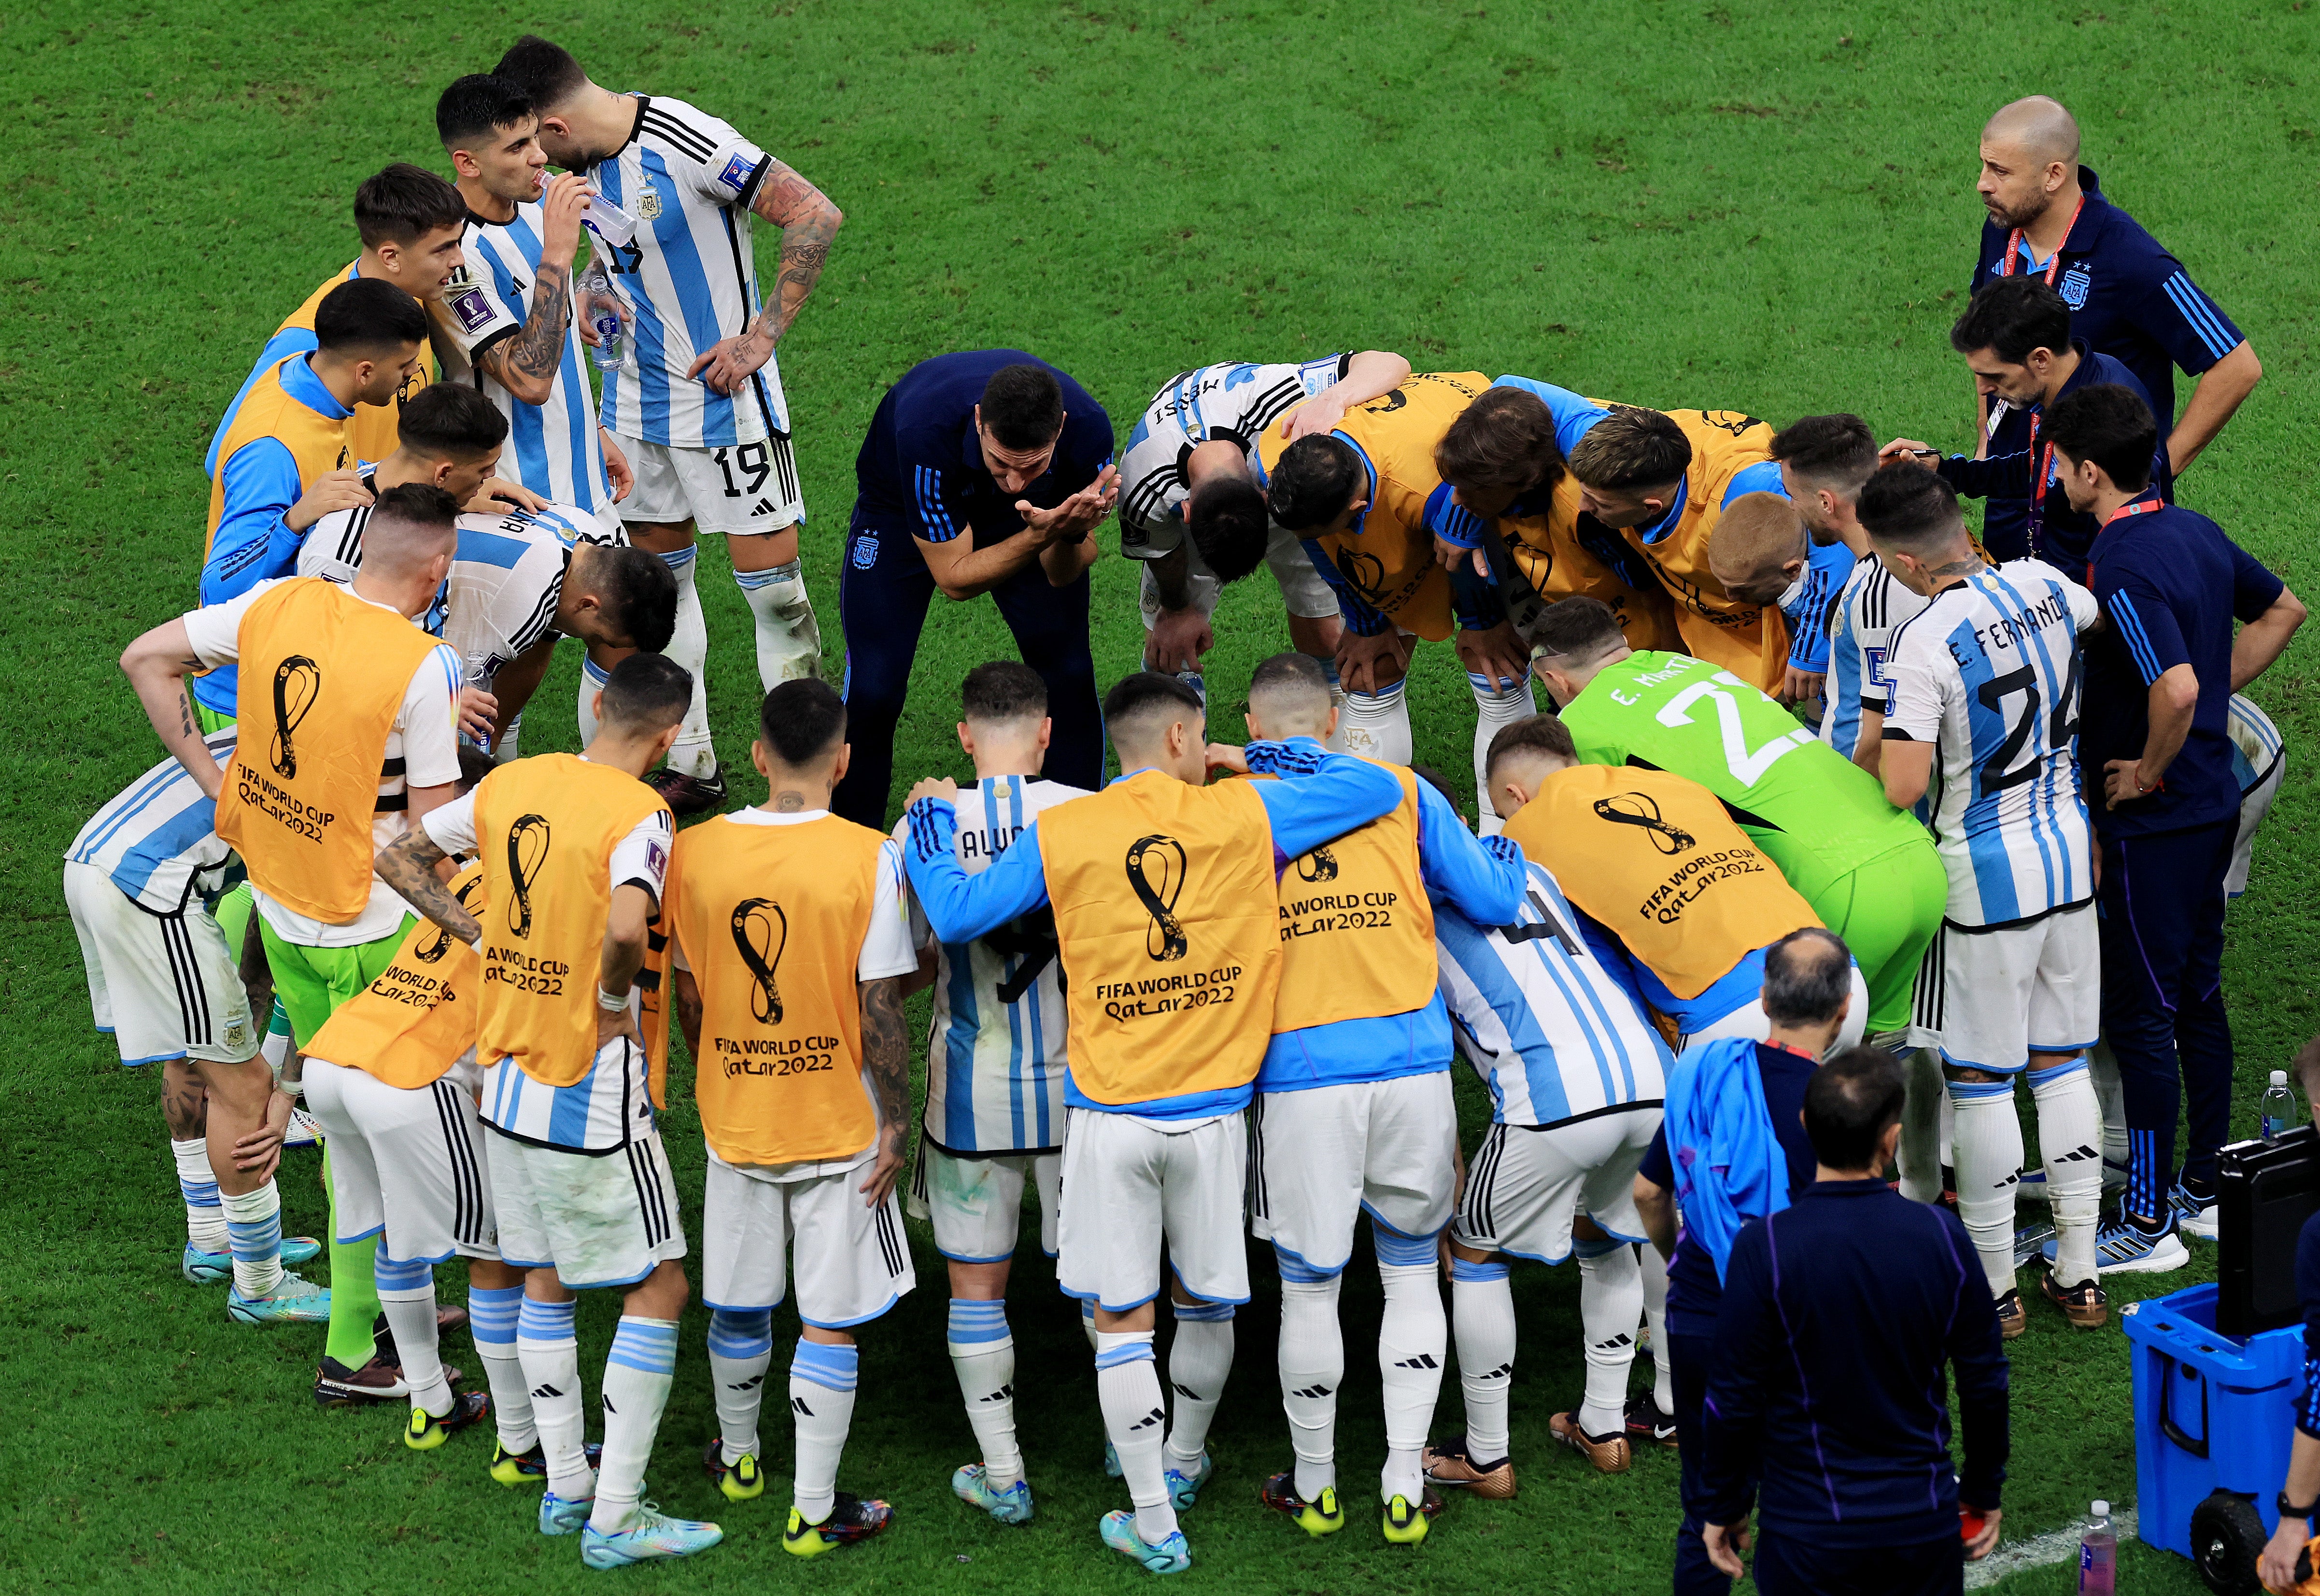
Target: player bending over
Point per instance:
(1164, 897)
(1762, 554)
(1353, 1110)
(574, 850)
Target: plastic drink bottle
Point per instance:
(2098, 1554)
(2278, 1108)
(596, 292)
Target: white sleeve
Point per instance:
(2085, 608)
(429, 721)
(734, 167)
(921, 932)
(471, 314)
(887, 949)
(215, 629)
(452, 827)
(641, 857)
(1149, 539)
(1914, 667)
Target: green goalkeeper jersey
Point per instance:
(1814, 812)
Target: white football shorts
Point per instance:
(164, 985)
(1987, 1000)
(852, 1263)
(976, 1202)
(1524, 1183)
(1324, 1156)
(2254, 804)
(598, 1219)
(733, 488)
(1131, 1184)
(406, 1165)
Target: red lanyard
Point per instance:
(1784, 1047)
(2042, 462)
(2014, 246)
(2141, 506)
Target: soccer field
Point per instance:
(1766, 208)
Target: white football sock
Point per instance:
(406, 1296)
(1921, 1122)
(2069, 1140)
(510, 743)
(1127, 1385)
(1483, 1302)
(822, 1378)
(2102, 1064)
(741, 1351)
(1199, 1360)
(198, 1187)
(1988, 1154)
(1312, 1359)
(1494, 708)
(1655, 1278)
(1413, 1340)
(983, 1356)
(492, 1314)
(593, 678)
(549, 1352)
(1377, 725)
(789, 639)
(688, 646)
(1949, 1128)
(1611, 1306)
(638, 1374)
(253, 1224)
(276, 1048)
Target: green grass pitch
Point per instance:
(1762, 207)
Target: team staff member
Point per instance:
(983, 472)
(409, 221)
(2157, 707)
(355, 720)
(1845, 1315)
(1353, 1110)
(1166, 918)
(702, 418)
(2016, 339)
(1869, 870)
(790, 947)
(2134, 300)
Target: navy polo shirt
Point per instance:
(2063, 535)
(2170, 582)
(922, 462)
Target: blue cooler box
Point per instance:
(2211, 1412)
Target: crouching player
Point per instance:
(1575, 1070)
(791, 951)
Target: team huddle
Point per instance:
(1816, 822)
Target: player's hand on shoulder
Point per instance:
(561, 203)
(934, 786)
(1320, 413)
(497, 493)
(1224, 756)
(332, 492)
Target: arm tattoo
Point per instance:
(808, 221)
(886, 1050)
(537, 347)
(408, 865)
(1960, 567)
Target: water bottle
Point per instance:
(611, 353)
(477, 675)
(2097, 1553)
(2279, 1109)
(607, 220)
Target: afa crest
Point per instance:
(649, 202)
(2074, 287)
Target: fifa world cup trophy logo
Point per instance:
(1156, 874)
(1321, 865)
(1365, 571)
(760, 931)
(296, 680)
(527, 851)
(1639, 809)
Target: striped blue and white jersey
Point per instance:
(1988, 672)
(553, 449)
(506, 583)
(603, 1111)
(1868, 609)
(689, 278)
(1230, 402)
(157, 837)
(1555, 1032)
(2255, 743)
(995, 1055)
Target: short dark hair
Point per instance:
(1313, 481)
(1533, 734)
(404, 203)
(1298, 672)
(474, 766)
(2109, 424)
(1576, 627)
(1907, 505)
(646, 693)
(1144, 695)
(419, 505)
(1024, 406)
(1504, 440)
(543, 73)
(477, 105)
(1003, 690)
(639, 593)
(450, 422)
(1850, 1102)
(1227, 521)
(2010, 317)
(801, 720)
(368, 313)
(1631, 448)
(1808, 977)
(1836, 451)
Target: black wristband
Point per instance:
(2288, 1510)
